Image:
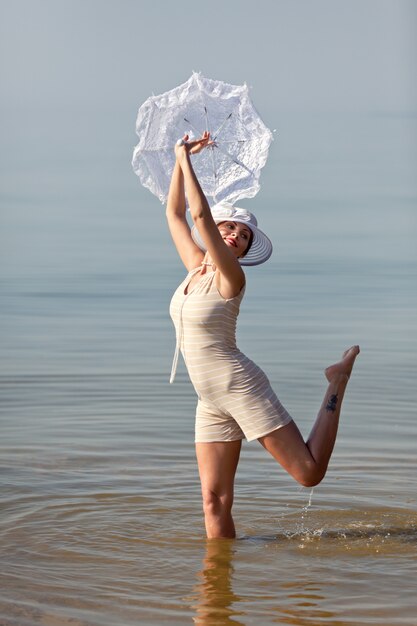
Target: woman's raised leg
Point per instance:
(217, 463)
(307, 462)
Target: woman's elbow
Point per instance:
(197, 214)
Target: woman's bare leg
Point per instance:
(307, 462)
(217, 463)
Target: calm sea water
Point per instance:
(100, 507)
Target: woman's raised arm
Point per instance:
(190, 253)
(232, 276)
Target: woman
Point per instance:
(235, 399)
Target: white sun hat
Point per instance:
(261, 248)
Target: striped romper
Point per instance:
(235, 398)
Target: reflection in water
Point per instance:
(291, 602)
(213, 593)
(214, 597)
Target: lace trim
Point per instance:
(228, 171)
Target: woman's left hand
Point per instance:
(193, 147)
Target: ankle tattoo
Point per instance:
(332, 403)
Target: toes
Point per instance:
(354, 349)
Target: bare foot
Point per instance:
(344, 366)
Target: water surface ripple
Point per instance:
(100, 503)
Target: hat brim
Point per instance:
(260, 250)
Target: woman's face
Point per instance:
(236, 236)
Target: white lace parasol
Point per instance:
(227, 170)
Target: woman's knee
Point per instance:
(310, 474)
(215, 504)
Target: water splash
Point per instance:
(301, 529)
(304, 510)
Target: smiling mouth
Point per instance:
(232, 241)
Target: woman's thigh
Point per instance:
(217, 463)
(287, 446)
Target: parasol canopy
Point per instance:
(229, 169)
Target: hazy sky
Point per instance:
(74, 73)
(297, 54)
